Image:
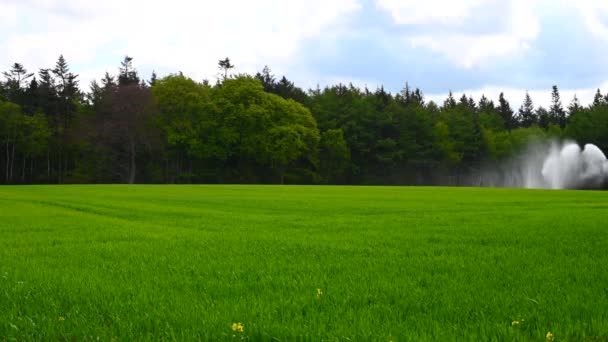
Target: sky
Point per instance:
(467, 46)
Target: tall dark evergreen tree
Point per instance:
(505, 112)
(418, 97)
(153, 79)
(267, 79)
(574, 108)
(17, 80)
(225, 65)
(450, 102)
(486, 105)
(287, 90)
(527, 115)
(17, 76)
(127, 74)
(598, 99)
(557, 114)
(406, 95)
(543, 116)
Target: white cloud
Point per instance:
(459, 46)
(190, 36)
(592, 10)
(8, 14)
(408, 12)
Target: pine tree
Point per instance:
(486, 105)
(127, 73)
(406, 94)
(17, 77)
(225, 66)
(472, 104)
(450, 102)
(47, 93)
(574, 108)
(527, 115)
(108, 82)
(418, 97)
(505, 112)
(557, 114)
(67, 90)
(153, 79)
(543, 117)
(267, 79)
(16, 83)
(464, 100)
(598, 99)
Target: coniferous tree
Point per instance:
(108, 81)
(406, 95)
(464, 100)
(267, 79)
(450, 102)
(486, 105)
(598, 99)
(472, 104)
(527, 115)
(67, 91)
(153, 79)
(574, 108)
(557, 114)
(418, 97)
(17, 76)
(225, 65)
(16, 82)
(127, 73)
(505, 112)
(543, 117)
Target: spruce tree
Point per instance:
(557, 114)
(598, 99)
(505, 112)
(543, 117)
(574, 108)
(127, 73)
(527, 115)
(486, 105)
(450, 102)
(225, 65)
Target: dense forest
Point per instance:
(261, 129)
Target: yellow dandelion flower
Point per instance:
(61, 318)
(550, 337)
(238, 327)
(319, 293)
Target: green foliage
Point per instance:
(22, 137)
(187, 117)
(335, 156)
(590, 126)
(265, 129)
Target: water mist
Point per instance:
(553, 165)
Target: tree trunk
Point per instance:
(12, 163)
(48, 165)
(23, 170)
(8, 158)
(282, 169)
(132, 169)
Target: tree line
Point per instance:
(261, 129)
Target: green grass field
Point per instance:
(391, 263)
